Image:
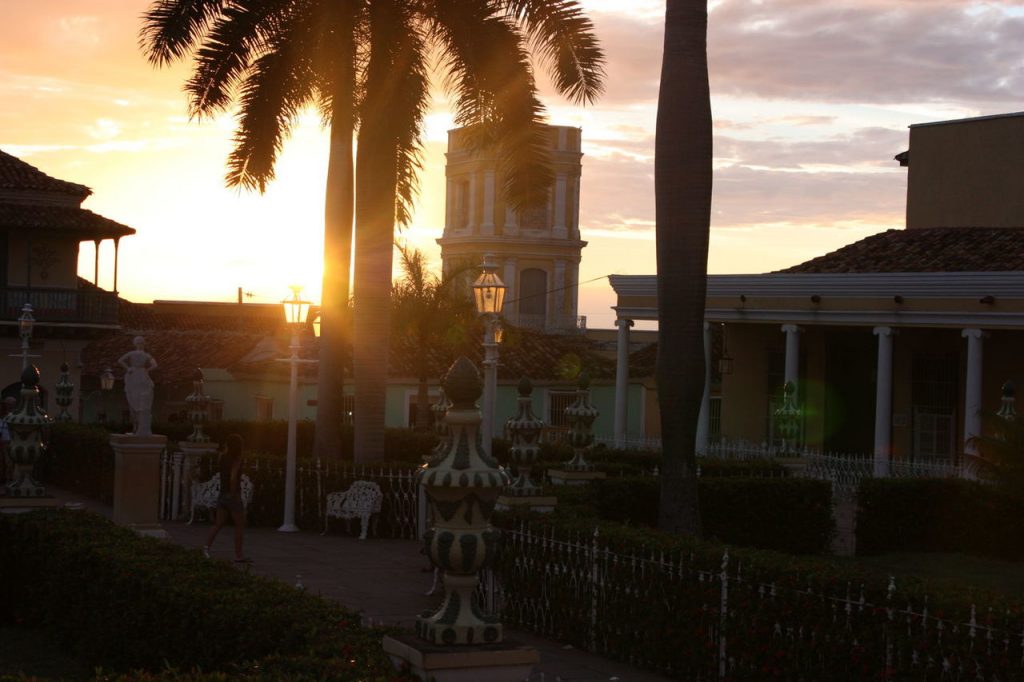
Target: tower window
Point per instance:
(533, 298)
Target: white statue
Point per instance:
(138, 387)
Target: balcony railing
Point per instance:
(550, 323)
(84, 306)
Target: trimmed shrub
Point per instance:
(123, 602)
(783, 514)
(939, 515)
(657, 600)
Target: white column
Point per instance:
(792, 371)
(490, 383)
(487, 227)
(575, 218)
(972, 392)
(558, 229)
(471, 218)
(621, 380)
(557, 318)
(883, 402)
(574, 293)
(512, 293)
(511, 221)
(704, 421)
(449, 204)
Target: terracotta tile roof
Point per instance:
(939, 249)
(181, 341)
(248, 340)
(16, 174)
(523, 353)
(87, 224)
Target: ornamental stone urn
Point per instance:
(525, 429)
(27, 426)
(65, 391)
(581, 415)
(462, 485)
(198, 404)
(441, 430)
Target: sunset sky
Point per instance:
(811, 101)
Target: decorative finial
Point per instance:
(197, 375)
(1008, 390)
(64, 367)
(584, 380)
(525, 388)
(462, 384)
(30, 377)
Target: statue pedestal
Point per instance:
(17, 505)
(503, 662)
(565, 477)
(137, 482)
(534, 503)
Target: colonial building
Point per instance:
(898, 344)
(42, 225)
(537, 250)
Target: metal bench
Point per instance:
(361, 501)
(205, 494)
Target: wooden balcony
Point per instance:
(68, 306)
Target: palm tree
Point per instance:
(433, 315)
(276, 58)
(364, 63)
(682, 188)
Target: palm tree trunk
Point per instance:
(682, 179)
(376, 183)
(335, 326)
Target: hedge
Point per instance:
(656, 600)
(939, 515)
(783, 514)
(121, 602)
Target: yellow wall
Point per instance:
(54, 263)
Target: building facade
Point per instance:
(537, 250)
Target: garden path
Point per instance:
(382, 578)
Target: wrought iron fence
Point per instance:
(400, 510)
(695, 618)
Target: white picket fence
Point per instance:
(691, 618)
(403, 510)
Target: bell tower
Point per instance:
(538, 251)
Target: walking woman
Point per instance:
(229, 503)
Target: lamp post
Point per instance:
(489, 296)
(295, 311)
(25, 325)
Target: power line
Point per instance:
(551, 291)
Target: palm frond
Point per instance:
(564, 38)
(279, 84)
(170, 28)
(489, 75)
(240, 35)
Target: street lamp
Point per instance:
(489, 295)
(295, 311)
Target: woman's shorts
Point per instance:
(229, 503)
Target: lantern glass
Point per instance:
(107, 379)
(26, 322)
(488, 290)
(295, 309)
(499, 334)
(316, 326)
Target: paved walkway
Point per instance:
(383, 579)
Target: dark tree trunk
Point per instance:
(334, 314)
(682, 172)
(376, 185)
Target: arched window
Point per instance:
(533, 297)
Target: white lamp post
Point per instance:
(489, 296)
(295, 311)
(25, 324)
